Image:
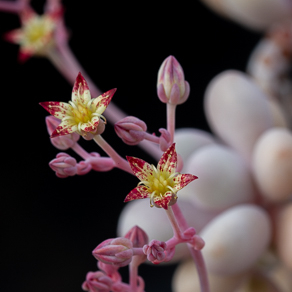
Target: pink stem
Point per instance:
(175, 227)
(66, 63)
(133, 271)
(118, 160)
(13, 7)
(170, 109)
(197, 255)
(151, 138)
(81, 152)
(138, 251)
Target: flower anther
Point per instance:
(160, 184)
(83, 114)
(35, 36)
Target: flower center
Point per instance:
(159, 183)
(81, 113)
(36, 30)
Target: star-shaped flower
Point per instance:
(35, 36)
(159, 184)
(82, 114)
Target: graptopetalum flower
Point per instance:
(82, 114)
(159, 184)
(35, 36)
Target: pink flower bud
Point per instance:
(97, 282)
(171, 85)
(137, 236)
(164, 139)
(60, 142)
(131, 130)
(155, 251)
(83, 167)
(116, 251)
(64, 165)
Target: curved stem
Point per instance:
(64, 60)
(118, 160)
(13, 7)
(133, 271)
(81, 152)
(175, 227)
(197, 255)
(170, 109)
(151, 138)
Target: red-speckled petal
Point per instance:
(27, 15)
(58, 109)
(164, 201)
(64, 128)
(15, 36)
(80, 92)
(24, 55)
(141, 168)
(101, 102)
(168, 160)
(140, 192)
(183, 180)
(88, 127)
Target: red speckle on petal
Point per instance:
(140, 192)
(77, 86)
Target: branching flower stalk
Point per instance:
(46, 36)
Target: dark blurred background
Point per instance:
(49, 226)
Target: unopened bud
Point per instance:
(64, 165)
(131, 130)
(171, 85)
(137, 236)
(155, 251)
(97, 282)
(117, 251)
(60, 142)
(164, 139)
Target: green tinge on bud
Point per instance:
(171, 85)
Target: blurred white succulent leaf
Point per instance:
(237, 111)
(224, 179)
(254, 14)
(236, 239)
(185, 279)
(272, 164)
(189, 140)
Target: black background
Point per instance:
(49, 226)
